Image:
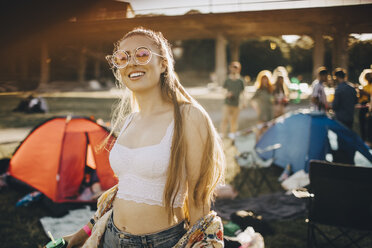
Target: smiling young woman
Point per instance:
(168, 157)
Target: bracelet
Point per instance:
(92, 221)
(87, 230)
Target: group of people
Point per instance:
(269, 100)
(272, 95)
(347, 98)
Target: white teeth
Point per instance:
(136, 74)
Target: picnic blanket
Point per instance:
(276, 206)
(67, 224)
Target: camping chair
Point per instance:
(340, 196)
(252, 167)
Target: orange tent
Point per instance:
(54, 156)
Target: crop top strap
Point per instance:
(126, 123)
(170, 130)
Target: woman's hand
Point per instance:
(77, 239)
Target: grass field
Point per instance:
(20, 227)
(98, 107)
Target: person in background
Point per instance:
(234, 85)
(280, 91)
(318, 97)
(262, 100)
(37, 105)
(365, 106)
(345, 99)
(281, 96)
(343, 105)
(32, 104)
(247, 80)
(23, 105)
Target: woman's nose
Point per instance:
(132, 61)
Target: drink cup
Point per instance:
(58, 243)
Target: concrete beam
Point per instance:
(241, 24)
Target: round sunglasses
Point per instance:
(121, 58)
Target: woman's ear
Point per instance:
(163, 65)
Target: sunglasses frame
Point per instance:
(111, 60)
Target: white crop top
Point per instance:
(142, 171)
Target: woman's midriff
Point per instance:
(140, 218)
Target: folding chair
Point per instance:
(340, 196)
(252, 167)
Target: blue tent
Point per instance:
(304, 136)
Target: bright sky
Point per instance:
(179, 7)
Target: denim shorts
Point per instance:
(115, 238)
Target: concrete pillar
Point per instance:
(82, 65)
(44, 64)
(339, 52)
(318, 53)
(220, 63)
(234, 49)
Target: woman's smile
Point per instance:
(136, 75)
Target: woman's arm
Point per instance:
(77, 239)
(196, 132)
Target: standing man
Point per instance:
(318, 97)
(345, 99)
(234, 84)
(343, 106)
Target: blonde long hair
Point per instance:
(258, 83)
(213, 160)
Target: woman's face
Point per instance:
(280, 80)
(368, 77)
(141, 77)
(265, 81)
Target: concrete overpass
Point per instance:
(337, 22)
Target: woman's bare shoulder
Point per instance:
(193, 113)
(195, 122)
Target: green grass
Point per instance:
(20, 227)
(58, 106)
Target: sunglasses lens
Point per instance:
(143, 55)
(120, 58)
